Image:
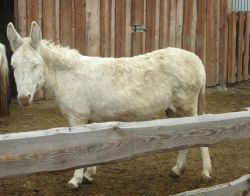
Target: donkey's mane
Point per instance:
(63, 57)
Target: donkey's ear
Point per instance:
(35, 35)
(13, 37)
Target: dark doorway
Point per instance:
(6, 16)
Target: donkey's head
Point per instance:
(26, 62)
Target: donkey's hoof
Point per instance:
(72, 185)
(173, 174)
(206, 178)
(87, 181)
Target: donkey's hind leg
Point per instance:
(179, 168)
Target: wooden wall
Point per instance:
(130, 27)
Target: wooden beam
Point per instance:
(120, 28)
(240, 186)
(232, 47)
(223, 41)
(247, 47)
(137, 12)
(200, 42)
(240, 46)
(95, 144)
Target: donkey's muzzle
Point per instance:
(24, 100)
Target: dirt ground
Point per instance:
(143, 176)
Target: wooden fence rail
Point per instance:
(95, 144)
(238, 187)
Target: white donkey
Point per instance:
(95, 89)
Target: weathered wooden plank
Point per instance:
(232, 48)
(95, 144)
(240, 45)
(120, 28)
(49, 22)
(172, 23)
(113, 28)
(80, 25)
(137, 43)
(217, 39)
(73, 24)
(137, 12)
(105, 27)
(128, 30)
(240, 186)
(157, 24)
(137, 19)
(93, 27)
(65, 22)
(164, 23)
(247, 47)
(179, 23)
(187, 24)
(223, 41)
(150, 23)
(22, 6)
(200, 43)
(194, 25)
(33, 11)
(57, 14)
(211, 55)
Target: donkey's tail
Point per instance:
(4, 83)
(201, 99)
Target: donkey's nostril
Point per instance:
(23, 100)
(29, 96)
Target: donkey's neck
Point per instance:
(57, 60)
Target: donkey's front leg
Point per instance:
(88, 172)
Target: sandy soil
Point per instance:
(144, 176)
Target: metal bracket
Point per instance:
(139, 28)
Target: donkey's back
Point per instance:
(143, 86)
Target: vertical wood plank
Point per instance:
(137, 12)
(172, 23)
(200, 45)
(113, 29)
(137, 43)
(57, 20)
(65, 22)
(223, 41)
(105, 25)
(240, 46)
(34, 10)
(187, 25)
(137, 19)
(247, 47)
(150, 23)
(80, 25)
(179, 23)
(232, 47)
(120, 28)
(73, 25)
(211, 44)
(217, 39)
(194, 24)
(164, 23)
(22, 15)
(128, 30)
(157, 24)
(93, 27)
(49, 23)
